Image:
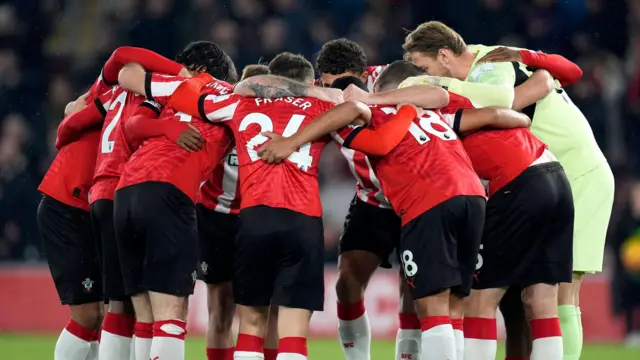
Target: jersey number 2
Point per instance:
(301, 157)
(106, 145)
(427, 121)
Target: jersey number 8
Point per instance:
(427, 122)
(301, 157)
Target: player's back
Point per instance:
(292, 184)
(500, 155)
(428, 167)
(113, 152)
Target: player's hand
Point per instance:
(185, 73)
(501, 54)
(354, 93)
(76, 105)
(276, 150)
(190, 139)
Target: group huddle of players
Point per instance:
(170, 171)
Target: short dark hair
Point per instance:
(254, 70)
(396, 73)
(340, 56)
(292, 66)
(209, 57)
(343, 82)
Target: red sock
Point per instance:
(220, 354)
(249, 344)
(480, 328)
(351, 311)
(168, 340)
(143, 330)
(457, 324)
(409, 321)
(170, 328)
(543, 328)
(118, 324)
(294, 345)
(80, 331)
(270, 354)
(429, 322)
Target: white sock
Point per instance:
(408, 344)
(438, 342)
(248, 355)
(141, 348)
(74, 342)
(290, 356)
(94, 351)
(132, 348)
(168, 340)
(458, 336)
(355, 337)
(480, 338)
(114, 347)
(547, 339)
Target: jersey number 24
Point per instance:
(301, 157)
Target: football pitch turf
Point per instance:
(39, 347)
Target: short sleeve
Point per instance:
(218, 108)
(160, 87)
(493, 74)
(345, 135)
(103, 102)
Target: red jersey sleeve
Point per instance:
(149, 60)
(76, 124)
(560, 68)
(384, 138)
(144, 124)
(159, 87)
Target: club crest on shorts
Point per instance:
(194, 276)
(204, 267)
(87, 283)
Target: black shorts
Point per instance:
(217, 233)
(105, 234)
(439, 248)
(68, 242)
(157, 236)
(528, 233)
(371, 228)
(279, 257)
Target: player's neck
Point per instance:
(466, 59)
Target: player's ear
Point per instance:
(444, 55)
(363, 77)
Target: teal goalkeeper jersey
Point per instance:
(556, 120)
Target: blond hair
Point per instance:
(254, 70)
(432, 36)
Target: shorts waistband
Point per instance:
(546, 157)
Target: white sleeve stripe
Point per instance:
(159, 89)
(336, 137)
(223, 114)
(450, 119)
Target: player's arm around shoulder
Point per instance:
(273, 86)
(469, 120)
(536, 88)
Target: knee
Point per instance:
(540, 301)
(349, 287)
(221, 308)
(89, 317)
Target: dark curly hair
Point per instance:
(292, 66)
(206, 56)
(340, 56)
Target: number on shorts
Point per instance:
(301, 157)
(480, 260)
(106, 145)
(426, 126)
(409, 266)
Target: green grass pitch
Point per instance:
(38, 347)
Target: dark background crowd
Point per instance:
(51, 50)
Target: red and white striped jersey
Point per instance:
(372, 74)
(367, 184)
(220, 192)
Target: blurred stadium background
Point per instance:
(51, 50)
